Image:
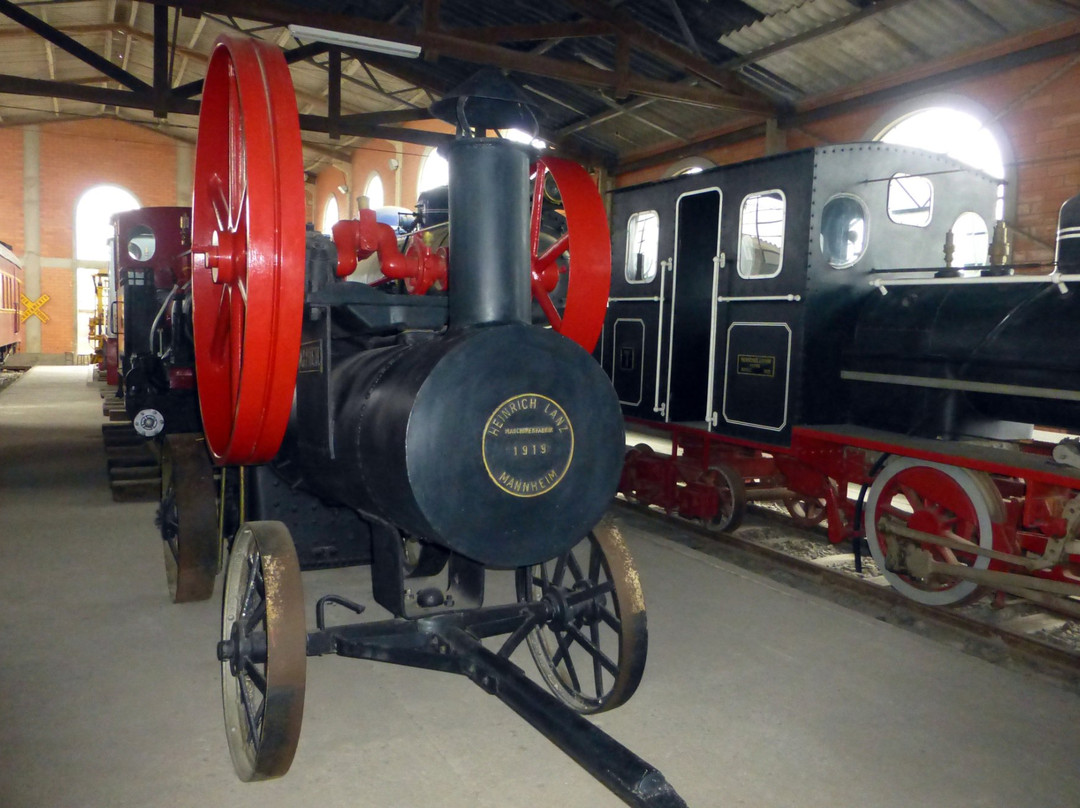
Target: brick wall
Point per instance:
(58, 335)
(75, 156)
(326, 184)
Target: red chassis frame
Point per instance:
(1033, 501)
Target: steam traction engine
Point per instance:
(461, 435)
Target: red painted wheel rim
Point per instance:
(248, 254)
(589, 269)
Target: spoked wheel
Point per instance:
(587, 268)
(187, 517)
(263, 651)
(592, 655)
(805, 512)
(248, 250)
(943, 501)
(732, 493)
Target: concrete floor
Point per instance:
(754, 695)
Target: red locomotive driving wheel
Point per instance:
(248, 250)
(588, 271)
(938, 500)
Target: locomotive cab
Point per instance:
(736, 290)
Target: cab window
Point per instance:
(642, 246)
(761, 234)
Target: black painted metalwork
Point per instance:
(451, 642)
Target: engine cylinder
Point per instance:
(508, 469)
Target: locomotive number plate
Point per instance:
(528, 445)
(756, 365)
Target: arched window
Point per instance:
(93, 237)
(330, 213)
(434, 172)
(949, 126)
(690, 165)
(374, 192)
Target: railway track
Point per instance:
(1015, 633)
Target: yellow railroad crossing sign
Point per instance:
(33, 307)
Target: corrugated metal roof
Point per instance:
(900, 37)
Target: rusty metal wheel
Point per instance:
(592, 654)
(732, 492)
(586, 247)
(263, 651)
(805, 512)
(187, 517)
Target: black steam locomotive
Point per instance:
(790, 325)
(430, 435)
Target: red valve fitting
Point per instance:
(356, 239)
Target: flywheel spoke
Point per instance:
(545, 302)
(221, 340)
(551, 255)
(218, 203)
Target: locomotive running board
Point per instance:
(451, 642)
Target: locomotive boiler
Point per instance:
(789, 325)
(430, 435)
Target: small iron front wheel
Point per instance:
(592, 654)
(263, 651)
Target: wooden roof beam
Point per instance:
(483, 53)
(649, 41)
(75, 48)
(530, 33)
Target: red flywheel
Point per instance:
(248, 250)
(586, 246)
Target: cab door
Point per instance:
(692, 327)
